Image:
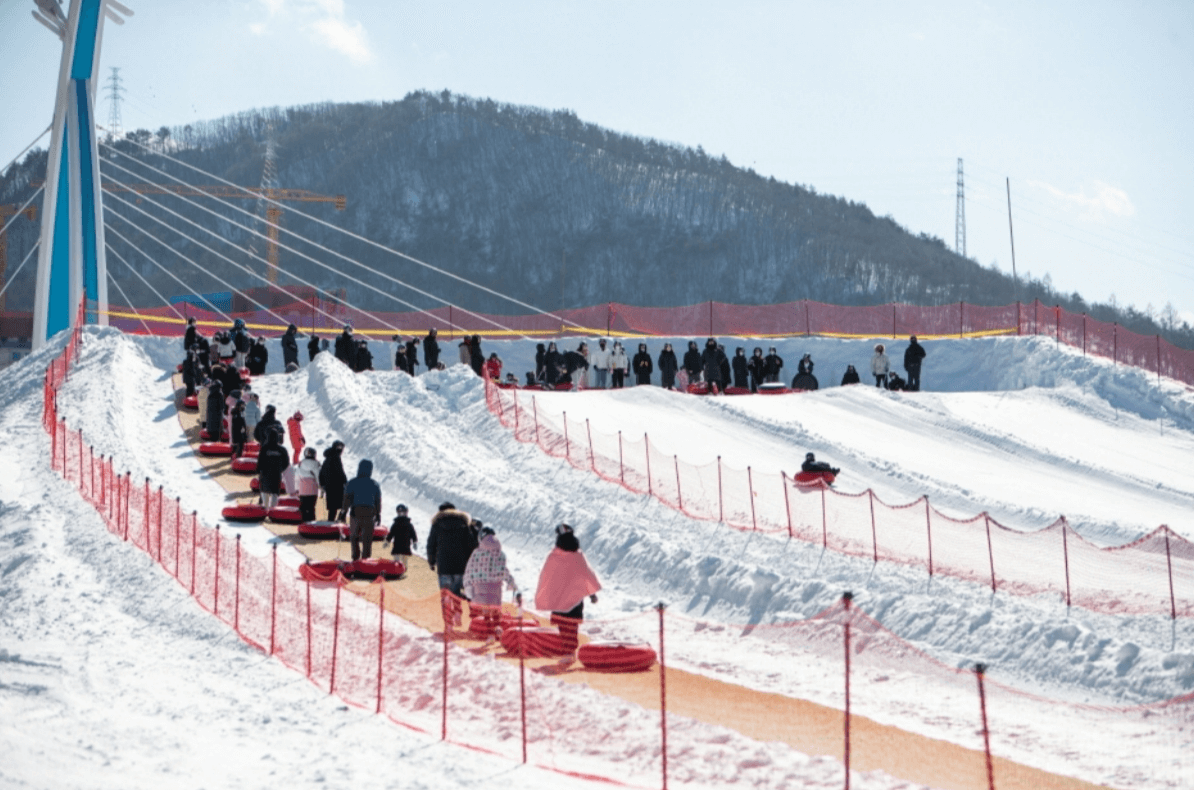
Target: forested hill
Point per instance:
(547, 208)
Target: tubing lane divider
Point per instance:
(929, 531)
(1169, 566)
(979, 671)
(194, 547)
(273, 601)
(160, 497)
(515, 414)
(1065, 553)
(145, 519)
(990, 553)
(236, 590)
(335, 637)
(783, 477)
(177, 534)
(661, 606)
(847, 597)
(381, 633)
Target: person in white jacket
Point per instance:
(483, 579)
(880, 366)
(307, 482)
(599, 361)
(619, 366)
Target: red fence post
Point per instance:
(443, 732)
(160, 496)
(621, 468)
(216, 604)
(1065, 553)
(647, 445)
(91, 450)
(662, 694)
(846, 598)
(1169, 565)
(750, 485)
(874, 536)
(522, 680)
(335, 638)
(679, 496)
(381, 635)
(308, 625)
(589, 432)
(990, 553)
(929, 530)
(145, 522)
(194, 547)
(177, 534)
(979, 670)
(783, 478)
(236, 590)
(515, 414)
(273, 601)
(824, 517)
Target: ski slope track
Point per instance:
(1027, 431)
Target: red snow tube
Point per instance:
(698, 388)
(286, 515)
(244, 513)
(773, 388)
(246, 464)
(255, 485)
(288, 501)
(616, 656)
(562, 387)
(811, 478)
(479, 625)
(191, 402)
(737, 391)
(536, 642)
(252, 448)
(215, 448)
(533, 387)
(360, 569)
(505, 385)
(333, 529)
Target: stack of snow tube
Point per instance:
(244, 512)
(333, 530)
(215, 448)
(533, 642)
(617, 656)
(327, 570)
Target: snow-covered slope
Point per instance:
(432, 439)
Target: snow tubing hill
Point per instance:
(335, 530)
(244, 513)
(534, 642)
(616, 656)
(215, 448)
(809, 478)
(328, 570)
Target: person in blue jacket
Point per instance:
(362, 504)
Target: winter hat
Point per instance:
(809, 457)
(309, 452)
(401, 509)
(485, 531)
(298, 415)
(447, 506)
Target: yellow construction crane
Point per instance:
(6, 211)
(273, 214)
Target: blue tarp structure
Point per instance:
(221, 300)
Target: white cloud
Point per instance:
(325, 21)
(348, 38)
(1094, 201)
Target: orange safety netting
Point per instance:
(1152, 575)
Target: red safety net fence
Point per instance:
(807, 318)
(866, 680)
(1152, 575)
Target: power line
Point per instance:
(12, 278)
(128, 301)
(26, 148)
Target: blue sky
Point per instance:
(1087, 107)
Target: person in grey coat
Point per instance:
(362, 504)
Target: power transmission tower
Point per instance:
(113, 91)
(960, 219)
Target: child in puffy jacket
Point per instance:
(402, 537)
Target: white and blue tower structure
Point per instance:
(71, 259)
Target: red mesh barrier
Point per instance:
(1147, 576)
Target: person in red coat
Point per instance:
(297, 441)
(493, 368)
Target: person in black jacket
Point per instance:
(805, 365)
(332, 479)
(476, 356)
(668, 367)
(912, 358)
(851, 376)
(431, 350)
(540, 362)
(692, 362)
(725, 366)
(412, 355)
(574, 361)
(400, 361)
(711, 359)
(364, 357)
(757, 367)
(346, 349)
(188, 373)
(228, 376)
(258, 358)
(449, 545)
(402, 537)
(215, 411)
(192, 334)
(641, 365)
(551, 365)
(811, 464)
(741, 372)
(272, 462)
(240, 341)
(290, 346)
(773, 363)
(266, 425)
(239, 434)
(312, 347)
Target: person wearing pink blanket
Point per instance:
(564, 582)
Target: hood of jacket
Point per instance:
(451, 514)
(365, 468)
